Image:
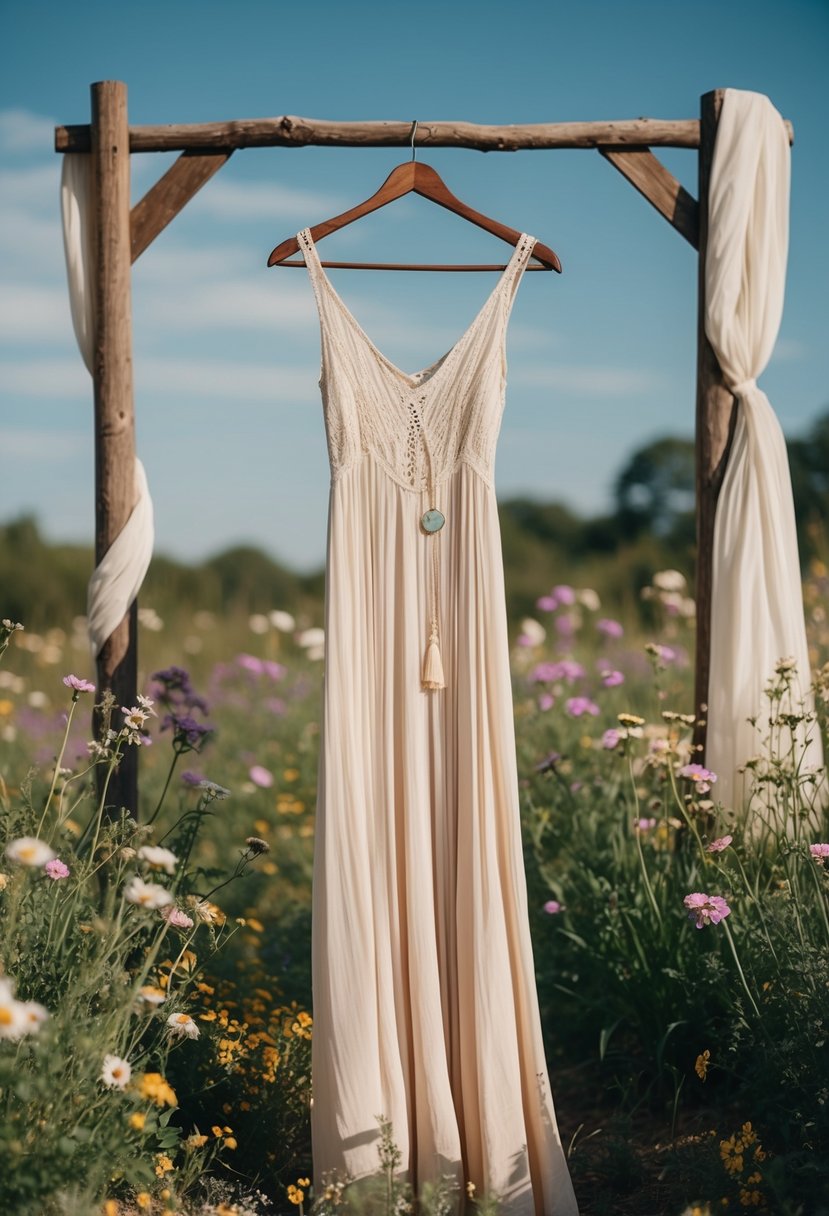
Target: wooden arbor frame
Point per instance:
(122, 234)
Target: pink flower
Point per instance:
(706, 909)
(250, 663)
(666, 653)
(576, 706)
(611, 629)
(611, 679)
(77, 684)
(717, 846)
(261, 776)
(820, 852)
(644, 825)
(566, 624)
(552, 906)
(175, 917)
(547, 603)
(564, 594)
(546, 701)
(56, 868)
(703, 778)
(564, 669)
(610, 738)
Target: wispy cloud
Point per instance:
(226, 198)
(43, 447)
(591, 381)
(24, 131)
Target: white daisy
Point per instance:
(115, 1072)
(146, 894)
(182, 1025)
(35, 1015)
(13, 1020)
(29, 851)
(158, 858)
(152, 995)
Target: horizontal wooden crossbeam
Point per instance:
(292, 132)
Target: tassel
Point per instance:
(433, 664)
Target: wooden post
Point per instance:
(112, 373)
(715, 419)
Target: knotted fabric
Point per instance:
(757, 605)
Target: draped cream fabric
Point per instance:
(757, 610)
(117, 579)
(424, 994)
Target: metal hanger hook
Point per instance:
(414, 132)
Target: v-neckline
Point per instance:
(415, 380)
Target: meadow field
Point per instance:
(156, 1011)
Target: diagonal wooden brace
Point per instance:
(651, 178)
(170, 194)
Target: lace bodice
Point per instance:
(449, 412)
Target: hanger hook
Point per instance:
(414, 132)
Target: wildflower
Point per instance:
(56, 868)
(283, 621)
(671, 715)
(310, 639)
(4, 881)
(78, 685)
(295, 1195)
(137, 1120)
(717, 846)
(546, 701)
(701, 1064)
(706, 909)
(135, 718)
(669, 580)
(182, 1026)
(153, 1086)
(205, 912)
(644, 825)
(546, 603)
(152, 995)
(175, 917)
(261, 776)
(116, 1072)
(564, 594)
(576, 706)
(470, 1188)
(553, 906)
(610, 628)
(146, 894)
(532, 632)
(611, 738)
(144, 1200)
(630, 720)
(589, 599)
(13, 1020)
(256, 845)
(195, 1141)
(820, 852)
(213, 792)
(702, 777)
(163, 1165)
(731, 1154)
(158, 858)
(29, 851)
(34, 1015)
(612, 679)
(188, 733)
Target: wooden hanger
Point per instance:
(423, 180)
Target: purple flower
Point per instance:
(546, 701)
(611, 679)
(552, 906)
(261, 776)
(563, 594)
(644, 825)
(576, 706)
(78, 685)
(820, 852)
(547, 603)
(702, 777)
(56, 868)
(706, 909)
(610, 628)
(666, 653)
(566, 624)
(274, 670)
(610, 738)
(250, 663)
(187, 732)
(563, 669)
(717, 846)
(191, 778)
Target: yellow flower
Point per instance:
(110, 1207)
(295, 1195)
(217, 1131)
(701, 1065)
(195, 1141)
(153, 1086)
(731, 1154)
(750, 1199)
(137, 1120)
(470, 1188)
(163, 1165)
(143, 1200)
(230, 1142)
(304, 1181)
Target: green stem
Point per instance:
(59, 761)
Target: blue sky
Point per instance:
(229, 420)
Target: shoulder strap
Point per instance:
(524, 250)
(312, 261)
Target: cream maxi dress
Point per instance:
(424, 997)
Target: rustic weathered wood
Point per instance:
(414, 177)
(165, 199)
(715, 418)
(289, 131)
(112, 373)
(650, 177)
